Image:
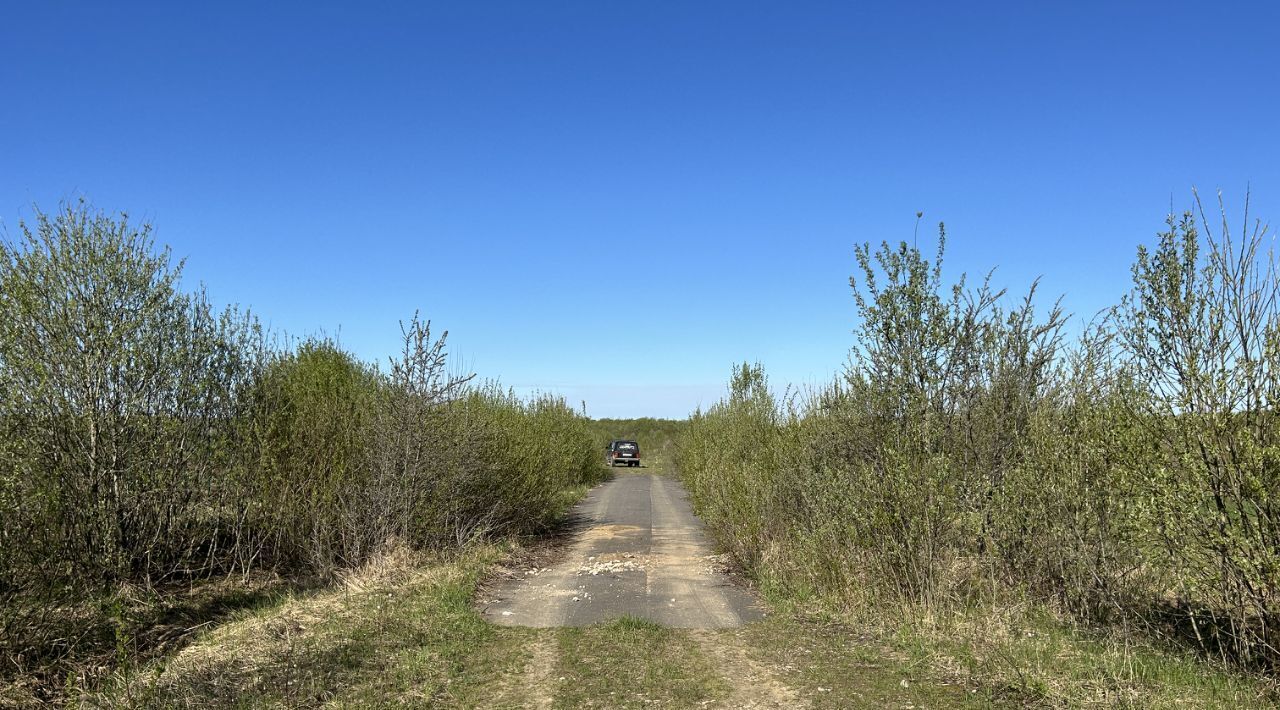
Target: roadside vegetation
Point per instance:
(164, 463)
(984, 510)
(402, 630)
(1082, 519)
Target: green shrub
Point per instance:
(1201, 328)
(351, 458)
(1068, 520)
(967, 452)
(880, 481)
(147, 439)
(520, 456)
(312, 428)
(120, 407)
(734, 447)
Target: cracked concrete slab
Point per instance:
(640, 551)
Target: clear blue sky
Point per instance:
(618, 200)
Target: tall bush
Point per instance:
(147, 438)
(730, 455)
(311, 419)
(1132, 475)
(1201, 328)
(121, 397)
(351, 457)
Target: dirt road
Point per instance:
(639, 551)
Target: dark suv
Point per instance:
(622, 451)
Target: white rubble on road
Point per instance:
(625, 563)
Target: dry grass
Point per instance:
(395, 630)
(75, 642)
(1052, 660)
(1000, 646)
(1026, 654)
(633, 663)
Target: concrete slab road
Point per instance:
(641, 552)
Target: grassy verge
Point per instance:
(403, 631)
(66, 644)
(634, 662)
(399, 631)
(1018, 656)
(257, 640)
(831, 665)
(1039, 658)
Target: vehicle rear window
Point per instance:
(627, 446)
